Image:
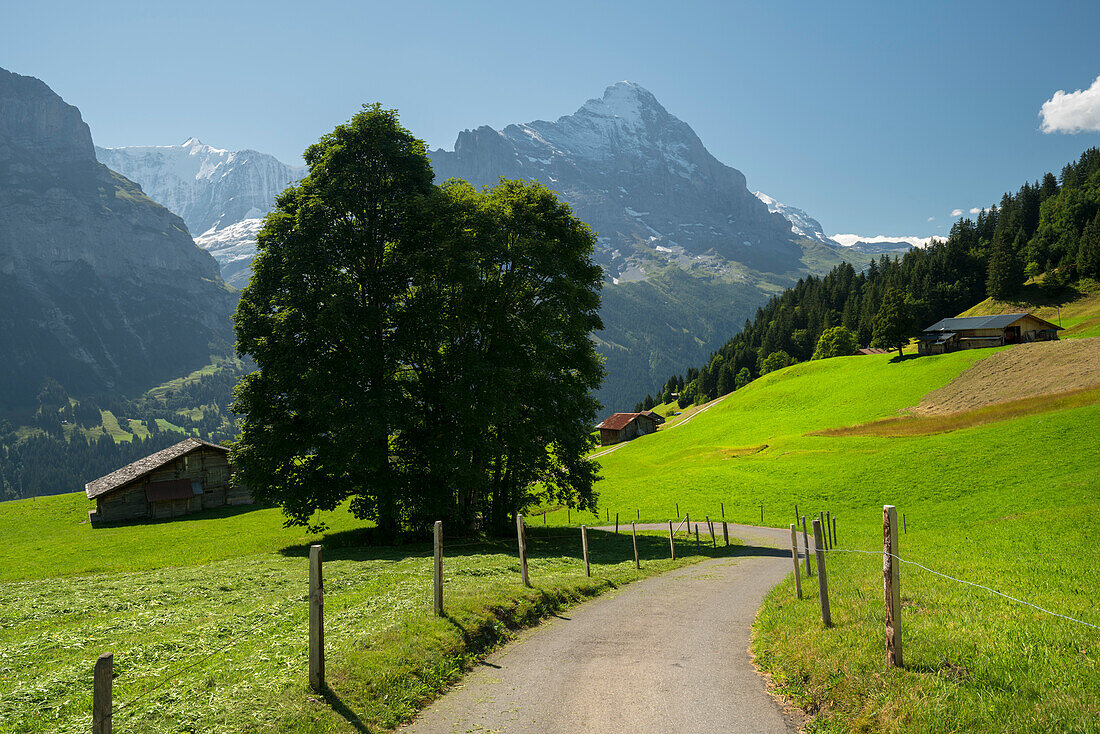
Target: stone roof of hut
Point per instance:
(618, 421)
(141, 467)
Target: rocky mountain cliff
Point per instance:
(100, 287)
(222, 195)
(689, 252)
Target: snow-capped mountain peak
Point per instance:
(802, 224)
(212, 189)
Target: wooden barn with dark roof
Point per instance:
(625, 426)
(190, 476)
(975, 332)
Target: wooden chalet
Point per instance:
(190, 476)
(975, 332)
(625, 426)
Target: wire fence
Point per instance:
(961, 581)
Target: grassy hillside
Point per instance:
(1006, 500)
(206, 616)
(1076, 308)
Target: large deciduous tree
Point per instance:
(318, 317)
(422, 350)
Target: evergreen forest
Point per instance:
(1048, 230)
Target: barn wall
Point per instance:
(208, 466)
(127, 503)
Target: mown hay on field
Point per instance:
(1025, 370)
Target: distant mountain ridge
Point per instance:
(100, 287)
(688, 251)
(222, 195)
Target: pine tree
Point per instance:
(892, 324)
(1004, 274)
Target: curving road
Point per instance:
(665, 654)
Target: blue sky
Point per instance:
(872, 116)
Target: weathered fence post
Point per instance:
(316, 621)
(677, 510)
(687, 522)
(794, 557)
(696, 537)
(834, 532)
(761, 514)
(828, 530)
(710, 526)
(806, 542)
(102, 685)
(671, 542)
(796, 512)
(726, 533)
(639, 513)
(822, 584)
(891, 576)
(634, 534)
(568, 515)
(616, 523)
(723, 510)
(904, 529)
(439, 568)
(584, 547)
(821, 519)
(521, 538)
(606, 515)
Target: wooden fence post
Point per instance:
(521, 538)
(723, 510)
(696, 537)
(606, 515)
(904, 529)
(726, 533)
(794, 557)
(761, 514)
(834, 532)
(822, 584)
(821, 519)
(891, 576)
(439, 568)
(616, 523)
(806, 542)
(634, 534)
(671, 542)
(828, 530)
(639, 513)
(568, 515)
(316, 622)
(677, 510)
(102, 685)
(584, 547)
(796, 512)
(710, 526)
(687, 522)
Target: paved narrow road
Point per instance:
(665, 654)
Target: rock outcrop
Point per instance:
(100, 287)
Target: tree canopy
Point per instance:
(422, 350)
(835, 342)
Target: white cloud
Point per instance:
(1072, 112)
(956, 212)
(847, 240)
(975, 210)
(931, 219)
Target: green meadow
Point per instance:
(1009, 501)
(207, 616)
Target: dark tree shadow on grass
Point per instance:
(604, 547)
(345, 711)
